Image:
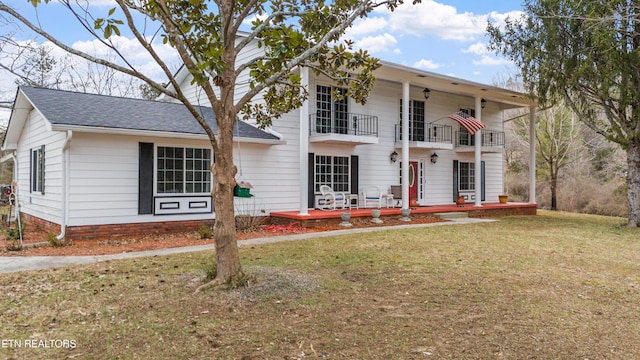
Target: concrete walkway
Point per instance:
(23, 263)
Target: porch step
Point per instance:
(451, 215)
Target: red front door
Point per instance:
(413, 180)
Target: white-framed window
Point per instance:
(36, 172)
(332, 110)
(333, 171)
(183, 170)
(464, 138)
(417, 119)
(466, 176)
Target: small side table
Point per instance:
(350, 198)
(387, 198)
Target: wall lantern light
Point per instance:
(434, 158)
(426, 93)
(483, 103)
(393, 157)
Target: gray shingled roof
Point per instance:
(99, 111)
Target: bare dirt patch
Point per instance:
(36, 244)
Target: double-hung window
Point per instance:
(37, 170)
(332, 171)
(183, 170)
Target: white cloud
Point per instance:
(426, 65)
(477, 49)
(487, 60)
(374, 44)
(364, 26)
(133, 52)
(444, 21)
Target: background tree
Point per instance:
(588, 54)
(292, 34)
(558, 143)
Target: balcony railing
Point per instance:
(435, 133)
(489, 138)
(346, 123)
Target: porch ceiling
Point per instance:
(420, 78)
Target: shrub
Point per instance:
(205, 232)
(54, 241)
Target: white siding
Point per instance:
(35, 134)
(375, 168)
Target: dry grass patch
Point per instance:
(551, 286)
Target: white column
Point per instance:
(532, 154)
(304, 146)
(478, 155)
(405, 144)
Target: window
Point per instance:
(183, 170)
(37, 170)
(466, 174)
(332, 110)
(332, 171)
(464, 138)
(416, 120)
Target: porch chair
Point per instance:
(372, 195)
(396, 191)
(331, 200)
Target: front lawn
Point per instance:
(552, 286)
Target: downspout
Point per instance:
(64, 191)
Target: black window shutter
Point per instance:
(354, 174)
(482, 189)
(455, 180)
(41, 164)
(145, 178)
(311, 188)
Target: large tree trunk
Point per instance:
(223, 170)
(633, 182)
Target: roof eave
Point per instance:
(162, 134)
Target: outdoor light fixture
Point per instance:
(393, 157)
(434, 158)
(426, 93)
(483, 103)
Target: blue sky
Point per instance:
(442, 36)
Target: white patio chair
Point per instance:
(372, 196)
(331, 200)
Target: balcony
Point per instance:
(492, 141)
(349, 128)
(432, 136)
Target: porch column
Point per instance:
(478, 155)
(532, 154)
(304, 146)
(405, 144)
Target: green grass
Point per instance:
(552, 286)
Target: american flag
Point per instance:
(468, 122)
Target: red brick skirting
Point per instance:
(116, 231)
(314, 219)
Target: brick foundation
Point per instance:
(116, 231)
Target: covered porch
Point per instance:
(488, 209)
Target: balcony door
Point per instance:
(332, 110)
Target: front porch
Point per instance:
(490, 209)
